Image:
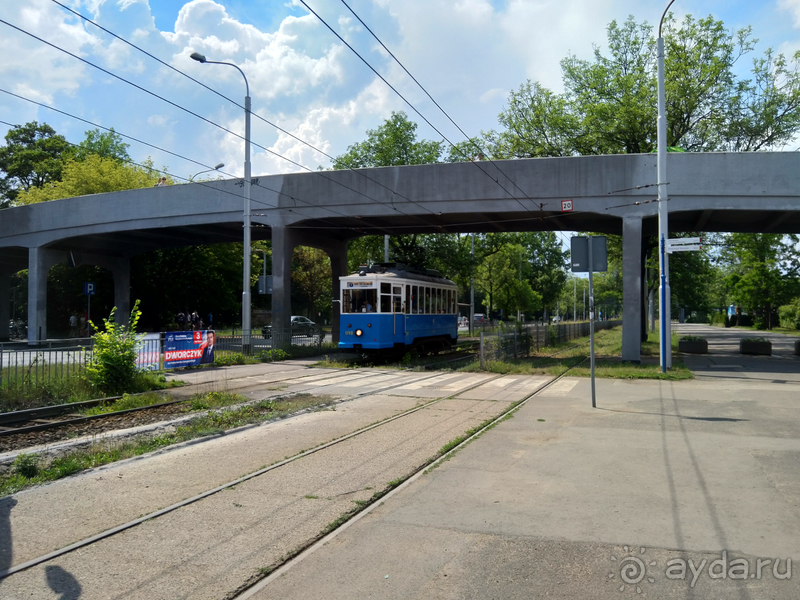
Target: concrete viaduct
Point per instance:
(726, 192)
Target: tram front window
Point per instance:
(356, 301)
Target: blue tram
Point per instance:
(391, 306)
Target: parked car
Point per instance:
(479, 318)
(557, 319)
(301, 327)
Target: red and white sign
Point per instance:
(566, 205)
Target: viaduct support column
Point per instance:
(283, 244)
(40, 261)
(631, 289)
(338, 256)
(120, 268)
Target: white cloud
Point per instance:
(793, 6)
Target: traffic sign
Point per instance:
(683, 248)
(683, 241)
(566, 205)
(88, 288)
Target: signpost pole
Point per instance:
(591, 318)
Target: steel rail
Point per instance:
(315, 545)
(120, 528)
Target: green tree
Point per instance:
(107, 144)
(763, 272)
(392, 144)
(311, 282)
(609, 104)
(32, 157)
(92, 175)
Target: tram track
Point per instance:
(276, 468)
(49, 424)
(233, 483)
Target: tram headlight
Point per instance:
(359, 333)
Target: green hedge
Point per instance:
(789, 315)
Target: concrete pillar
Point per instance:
(338, 256)
(121, 271)
(40, 261)
(284, 241)
(5, 305)
(631, 289)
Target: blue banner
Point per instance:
(188, 348)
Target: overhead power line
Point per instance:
(221, 95)
(476, 163)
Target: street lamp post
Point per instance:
(246, 300)
(216, 168)
(663, 224)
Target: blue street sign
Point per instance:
(88, 288)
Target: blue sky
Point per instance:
(468, 53)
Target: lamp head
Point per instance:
(198, 57)
(219, 166)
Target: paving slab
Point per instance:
(566, 501)
(208, 549)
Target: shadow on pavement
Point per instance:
(63, 582)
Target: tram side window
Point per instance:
(448, 306)
(397, 298)
(427, 308)
(386, 297)
(414, 299)
(407, 305)
(346, 301)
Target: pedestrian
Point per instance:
(161, 182)
(181, 320)
(210, 321)
(73, 325)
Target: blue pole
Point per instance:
(663, 305)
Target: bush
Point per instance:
(113, 367)
(692, 338)
(789, 315)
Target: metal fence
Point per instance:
(21, 366)
(507, 343)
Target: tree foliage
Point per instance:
(107, 144)
(311, 283)
(392, 144)
(32, 157)
(763, 272)
(92, 175)
(609, 104)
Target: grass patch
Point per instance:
(31, 469)
(19, 393)
(557, 359)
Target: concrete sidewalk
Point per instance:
(668, 490)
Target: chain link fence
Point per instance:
(507, 343)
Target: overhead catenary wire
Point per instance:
(237, 135)
(432, 99)
(540, 205)
(202, 118)
(162, 171)
(221, 95)
(403, 98)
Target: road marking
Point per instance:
(561, 388)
